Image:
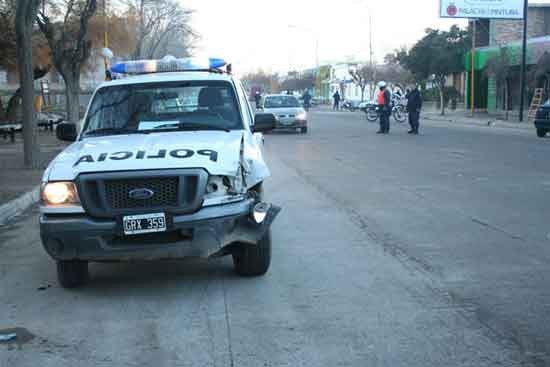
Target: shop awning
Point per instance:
(536, 47)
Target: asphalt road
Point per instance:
(396, 250)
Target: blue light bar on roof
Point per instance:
(167, 64)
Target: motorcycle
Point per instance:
(351, 106)
(371, 110)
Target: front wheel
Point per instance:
(72, 273)
(541, 133)
(253, 260)
(303, 130)
(372, 115)
(399, 114)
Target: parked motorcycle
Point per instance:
(351, 106)
(398, 112)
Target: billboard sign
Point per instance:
(491, 9)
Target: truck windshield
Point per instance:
(147, 108)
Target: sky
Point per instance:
(279, 35)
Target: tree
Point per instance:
(8, 43)
(437, 55)
(322, 78)
(41, 59)
(66, 36)
(499, 68)
(298, 81)
(393, 72)
(263, 81)
(121, 39)
(161, 27)
(24, 19)
(8, 50)
(362, 76)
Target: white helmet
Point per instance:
(381, 84)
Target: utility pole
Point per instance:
(371, 56)
(523, 62)
(472, 81)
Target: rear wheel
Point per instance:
(72, 273)
(541, 133)
(253, 260)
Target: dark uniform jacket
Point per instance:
(414, 101)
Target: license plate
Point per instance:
(145, 223)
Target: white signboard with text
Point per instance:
(494, 9)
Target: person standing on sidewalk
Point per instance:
(384, 108)
(336, 98)
(307, 100)
(258, 99)
(414, 105)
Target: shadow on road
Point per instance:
(156, 276)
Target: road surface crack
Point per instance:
(497, 229)
(228, 326)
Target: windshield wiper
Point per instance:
(113, 131)
(190, 126)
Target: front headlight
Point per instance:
(59, 193)
(301, 116)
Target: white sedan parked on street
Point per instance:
(288, 111)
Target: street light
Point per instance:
(371, 52)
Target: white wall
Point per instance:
(340, 73)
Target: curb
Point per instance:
(17, 206)
(489, 123)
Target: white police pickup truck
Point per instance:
(168, 164)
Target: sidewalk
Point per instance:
(15, 180)
(479, 119)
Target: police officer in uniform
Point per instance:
(414, 105)
(384, 108)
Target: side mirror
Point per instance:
(66, 131)
(264, 122)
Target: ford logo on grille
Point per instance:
(141, 194)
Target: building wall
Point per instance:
(505, 31)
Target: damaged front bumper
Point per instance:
(208, 232)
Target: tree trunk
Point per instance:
(506, 99)
(442, 100)
(363, 93)
(72, 97)
(26, 13)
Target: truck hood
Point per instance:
(218, 152)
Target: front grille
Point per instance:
(175, 191)
(165, 191)
(543, 114)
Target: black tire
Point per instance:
(303, 130)
(372, 116)
(541, 133)
(259, 189)
(250, 261)
(399, 115)
(72, 274)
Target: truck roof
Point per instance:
(169, 77)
